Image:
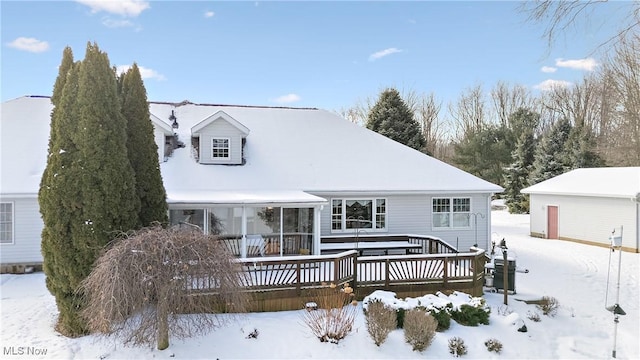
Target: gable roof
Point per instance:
(617, 182)
(217, 116)
(291, 150)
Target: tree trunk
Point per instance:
(163, 325)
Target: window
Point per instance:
(351, 214)
(220, 148)
(6, 223)
(451, 212)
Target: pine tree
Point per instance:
(550, 157)
(484, 153)
(142, 149)
(59, 199)
(391, 117)
(580, 149)
(517, 174)
(87, 192)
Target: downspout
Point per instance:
(488, 223)
(243, 241)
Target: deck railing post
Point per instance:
(445, 273)
(354, 261)
(386, 277)
(298, 278)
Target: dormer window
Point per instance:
(220, 148)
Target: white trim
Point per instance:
(451, 213)
(219, 115)
(213, 139)
(13, 223)
(343, 221)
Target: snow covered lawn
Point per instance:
(575, 274)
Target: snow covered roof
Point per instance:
(288, 152)
(618, 182)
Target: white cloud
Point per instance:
(588, 64)
(29, 44)
(145, 73)
(548, 69)
(551, 84)
(287, 99)
(209, 14)
(131, 8)
(383, 53)
(116, 23)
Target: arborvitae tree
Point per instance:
(391, 117)
(142, 149)
(87, 193)
(59, 199)
(484, 153)
(517, 175)
(549, 157)
(580, 149)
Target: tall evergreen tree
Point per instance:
(517, 174)
(550, 157)
(391, 117)
(142, 149)
(87, 192)
(484, 153)
(580, 149)
(59, 198)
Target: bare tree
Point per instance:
(559, 16)
(157, 281)
(469, 112)
(507, 99)
(579, 103)
(427, 113)
(622, 75)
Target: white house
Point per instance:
(294, 174)
(587, 205)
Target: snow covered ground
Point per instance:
(576, 275)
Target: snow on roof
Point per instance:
(288, 151)
(618, 182)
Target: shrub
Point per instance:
(549, 306)
(381, 320)
(457, 347)
(533, 316)
(471, 315)
(336, 312)
(504, 310)
(419, 328)
(493, 345)
(443, 318)
(253, 335)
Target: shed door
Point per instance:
(552, 222)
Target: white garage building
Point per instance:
(586, 205)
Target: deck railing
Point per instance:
(282, 281)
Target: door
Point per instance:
(552, 222)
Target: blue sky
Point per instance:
(310, 54)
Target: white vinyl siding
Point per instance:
(27, 232)
(6, 223)
(218, 130)
(587, 218)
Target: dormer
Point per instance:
(220, 139)
(162, 133)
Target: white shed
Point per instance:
(586, 205)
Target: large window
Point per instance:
(6, 223)
(352, 214)
(451, 212)
(220, 148)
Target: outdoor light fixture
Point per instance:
(174, 120)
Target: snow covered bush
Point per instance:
(493, 345)
(419, 328)
(334, 317)
(533, 316)
(381, 320)
(549, 306)
(471, 315)
(457, 347)
(442, 316)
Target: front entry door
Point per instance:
(552, 222)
